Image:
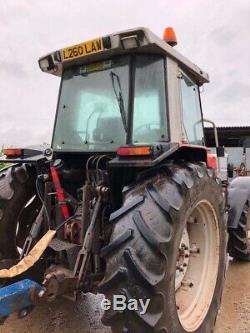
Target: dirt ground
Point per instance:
(84, 316)
(234, 316)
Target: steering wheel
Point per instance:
(147, 127)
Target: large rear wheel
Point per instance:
(19, 207)
(169, 246)
(239, 238)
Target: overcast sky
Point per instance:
(213, 34)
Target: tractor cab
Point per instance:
(126, 89)
(125, 201)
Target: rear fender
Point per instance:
(238, 194)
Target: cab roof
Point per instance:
(137, 40)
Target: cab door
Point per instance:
(191, 111)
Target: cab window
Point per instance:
(191, 111)
(150, 118)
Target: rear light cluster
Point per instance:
(13, 152)
(212, 161)
(134, 151)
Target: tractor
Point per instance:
(127, 201)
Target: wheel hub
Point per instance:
(183, 259)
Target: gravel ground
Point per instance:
(234, 316)
(84, 316)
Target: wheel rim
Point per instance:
(197, 266)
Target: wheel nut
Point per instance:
(194, 249)
(187, 284)
(41, 293)
(23, 313)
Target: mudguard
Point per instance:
(238, 194)
(31, 155)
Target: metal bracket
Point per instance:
(83, 257)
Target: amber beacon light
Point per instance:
(169, 36)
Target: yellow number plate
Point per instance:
(81, 50)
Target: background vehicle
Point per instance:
(127, 200)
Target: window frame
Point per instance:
(165, 89)
(131, 95)
(198, 104)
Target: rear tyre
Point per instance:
(168, 245)
(239, 239)
(18, 208)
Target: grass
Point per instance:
(2, 165)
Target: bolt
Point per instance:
(23, 313)
(48, 152)
(194, 249)
(187, 284)
(41, 293)
(191, 219)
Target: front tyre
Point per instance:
(168, 245)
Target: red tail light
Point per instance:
(13, 152)
(212, 161)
